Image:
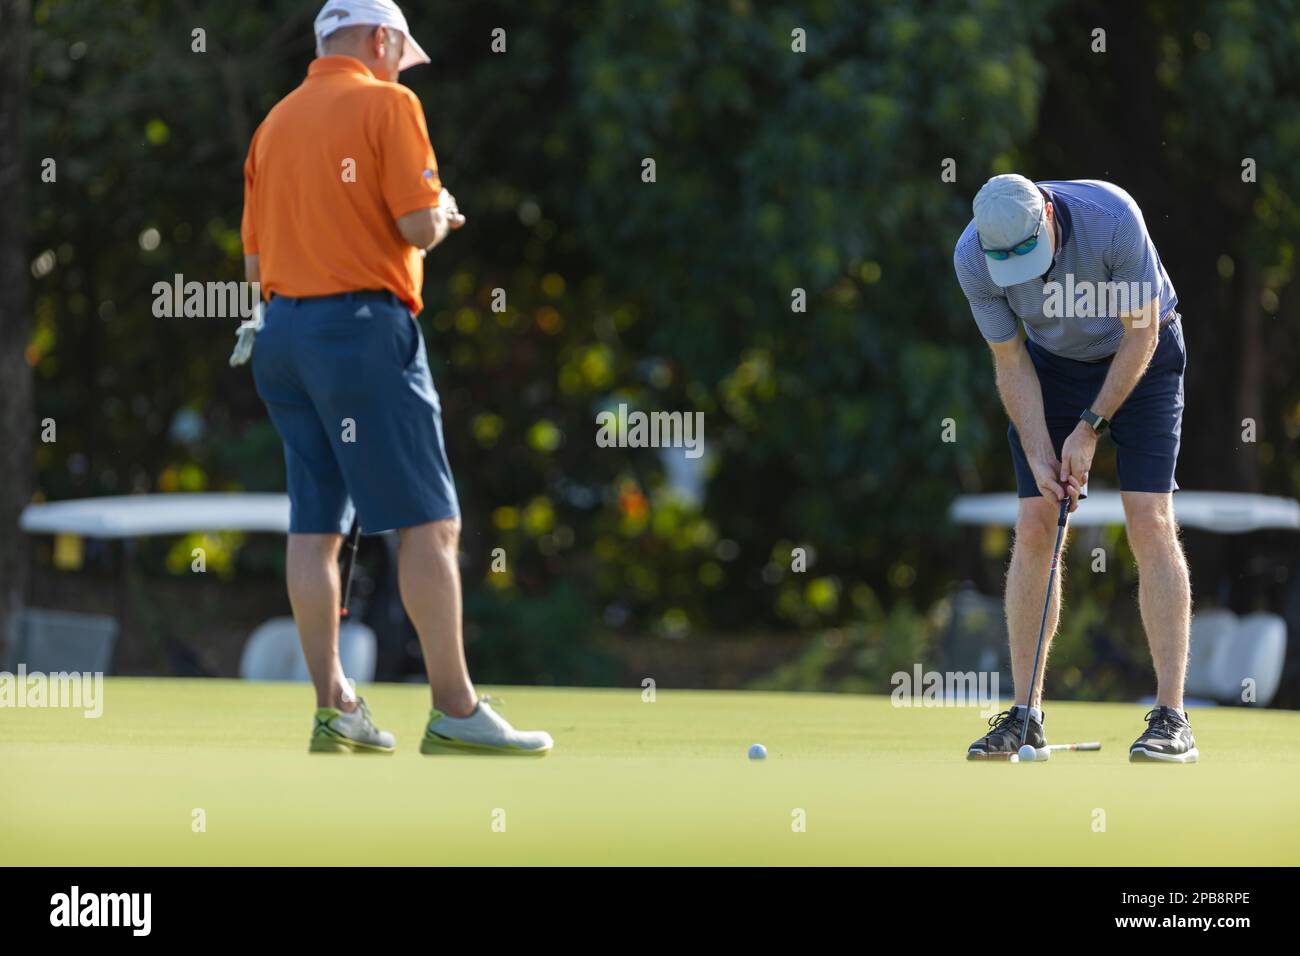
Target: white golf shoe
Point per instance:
(483, 732)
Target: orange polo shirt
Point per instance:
(328, 173)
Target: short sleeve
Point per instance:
(993, 314)
(407, 167)
(248, 226)
(1133, 255)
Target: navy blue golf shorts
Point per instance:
(346, 381)
(1147, 429)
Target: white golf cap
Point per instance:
(337, 14)
(1008, 210)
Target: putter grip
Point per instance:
(1065, 510)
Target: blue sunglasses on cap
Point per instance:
(1021, 249)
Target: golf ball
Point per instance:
(757, 752)
(1028, 754)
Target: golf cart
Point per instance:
(60, 640)
(1240, 624)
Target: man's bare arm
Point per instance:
(1022, 397)
(425, 228)
(252, 268)
(1141, 334)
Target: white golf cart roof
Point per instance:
(137, 516)
(1222, 512)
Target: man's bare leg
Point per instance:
(312, 572)
(1164, 589)
(429, 577)
(1031, 556)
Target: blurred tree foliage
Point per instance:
(775, 171)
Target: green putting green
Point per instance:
(630, 782)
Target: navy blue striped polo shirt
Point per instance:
(1103, 240)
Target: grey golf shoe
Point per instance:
(1168, 739)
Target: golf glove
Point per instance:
(248, 330)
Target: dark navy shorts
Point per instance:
(347, 383)
(1147, 428)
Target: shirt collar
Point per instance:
(338, 63)
(1062, 215)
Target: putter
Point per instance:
(1047, 603)
(1082, 746)
(349, 559)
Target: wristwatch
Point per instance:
(1094, 421)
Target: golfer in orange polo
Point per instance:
(341, 201)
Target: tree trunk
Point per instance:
(17, 416)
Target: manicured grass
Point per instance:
(630, 783)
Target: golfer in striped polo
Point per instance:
(341, 200)
(1102, 354)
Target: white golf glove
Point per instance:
(248, 330)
